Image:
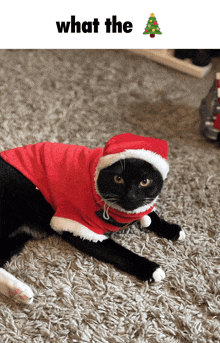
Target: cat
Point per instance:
(124, 190)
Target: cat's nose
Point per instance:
(130, 196)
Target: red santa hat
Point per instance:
(127, 145)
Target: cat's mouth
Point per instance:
(129, 206)
(126, 204)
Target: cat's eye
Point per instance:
(145, 182)
(118, 179)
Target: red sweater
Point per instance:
(65, 175)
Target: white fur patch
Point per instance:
(158, 275)
(63, 224)
(11, 287)
(182, 236)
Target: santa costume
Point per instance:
(66, 175)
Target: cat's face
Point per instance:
(129, 183)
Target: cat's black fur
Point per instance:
(25, 214)
(130, 195)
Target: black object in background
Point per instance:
(199, 57)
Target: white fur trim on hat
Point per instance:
(149, 156)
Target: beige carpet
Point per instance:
(85, 97)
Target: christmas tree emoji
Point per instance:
(152, 27)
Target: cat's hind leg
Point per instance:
(11, 287)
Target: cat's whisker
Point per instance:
(109, 194)
(109, 199)
(113, 199)
(100, 201)
(121, 165)
(112, 202)
(147, 201)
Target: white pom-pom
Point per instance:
(145, 221)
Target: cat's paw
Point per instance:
(21, 293)
(182, 236)
(158, 275)
(150, 271)
(172, 232)
(11, 287)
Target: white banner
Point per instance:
(163, 24)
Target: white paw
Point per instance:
(182, 236)
(11, 287)
(158, 275)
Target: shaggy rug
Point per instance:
(85, 97)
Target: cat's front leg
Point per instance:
(164, 229)
(125, 260)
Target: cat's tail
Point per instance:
(29, 231)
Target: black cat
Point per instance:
(41, 193)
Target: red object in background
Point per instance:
(155, 23)
(217, 121)
(146, 30)
(210, 112)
